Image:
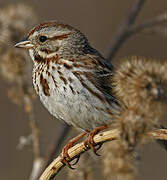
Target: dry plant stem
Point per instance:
(33, 125)
(80, 148)
(148, 24)
(75, 151)
(123, 32)
(159, 134)
(38, 161)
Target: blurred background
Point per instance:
(99, 20)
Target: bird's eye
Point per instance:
(42, 38)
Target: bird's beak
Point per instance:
(26, 44)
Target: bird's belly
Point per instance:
(70, 101)
(75, 109)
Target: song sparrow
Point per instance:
(71, 78)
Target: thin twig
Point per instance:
(38, 161)
(123, 33)
(33, 125)
(157, 21)
(52, 170)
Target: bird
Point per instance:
(71, 78)
(76, 84)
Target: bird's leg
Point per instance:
(65, 156)
(89, 140)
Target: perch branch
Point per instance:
(80, 148)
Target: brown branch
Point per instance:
(52, 170)
(123, 32)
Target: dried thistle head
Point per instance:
(139, 81)
(141, 85)
(15, 67)
(14, 21)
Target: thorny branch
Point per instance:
(110, 135)
(123, 31)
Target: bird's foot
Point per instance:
(89, 140)
(64, 154)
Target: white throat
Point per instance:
(45, 55)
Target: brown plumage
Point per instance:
(77, 84)
(82, 95)
(71, 78)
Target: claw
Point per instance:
(97, 148)
(89, 141)
(65, 156)
(76, 161)
(64, 161)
